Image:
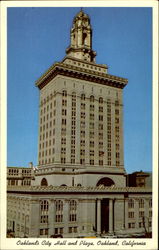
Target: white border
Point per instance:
(11, 243)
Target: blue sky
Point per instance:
(38, 37)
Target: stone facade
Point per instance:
(78, 211)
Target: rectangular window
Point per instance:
(100, 162)
(131, 214)
(117, 111)
(59, 217)
(141, 214)
(100, 109)
(64, 121)
(64, 112)
(91, 162)
(72, 217)
(44, 219)
(72, 229)
(100, 118)
(131, 225)
(150, 213)
(140, 224)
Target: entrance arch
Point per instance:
(105, 182)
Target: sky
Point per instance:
(38, 37)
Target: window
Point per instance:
(91, 125)
(117, 155)
(117, 111)
(64, 112)
(91, 162)
(64, 93)
(64, 121)
(44, 219)
(63, 159)
(131, 225)
(100, 162)
(59, 230)
(44, 231)
(82, 105)
(64, 103)
(131, 214)
(44, 211)
(83, 97)
(100, 100)
(141, 203)
(63, 150)
(59, 211)
(91, 152)
(141, 214)
(44, 182)
(82, 114)
(116, 103)
(91, 116)
(72, 229)
(100, 118)
(73, 210)
(100, 109)
(44, 205)
(82, 161)
(91, 98)
(150, 203)
(63, 140)
(91, 107)
(91, 143)
(100, 126)
(116, 120)
(150, 213)
(140, 224)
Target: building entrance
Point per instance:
(104, 215)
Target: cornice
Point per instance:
(79, 190)
(80, 73)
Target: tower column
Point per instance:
(111, 215)
(98, 216)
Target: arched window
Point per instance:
(131, 203)
(44, 207)
(105, 182)
(64, 93)
(91, 98)
(44, 182)
(83, 97)
(73, 95)
(141, 203)
(73, 210)
(100, 100)
(84, 38)
(59, 211)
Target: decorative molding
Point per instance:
(80, 73)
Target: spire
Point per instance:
(81, 38)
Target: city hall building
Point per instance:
(80, 186)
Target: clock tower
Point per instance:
(81, 39)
